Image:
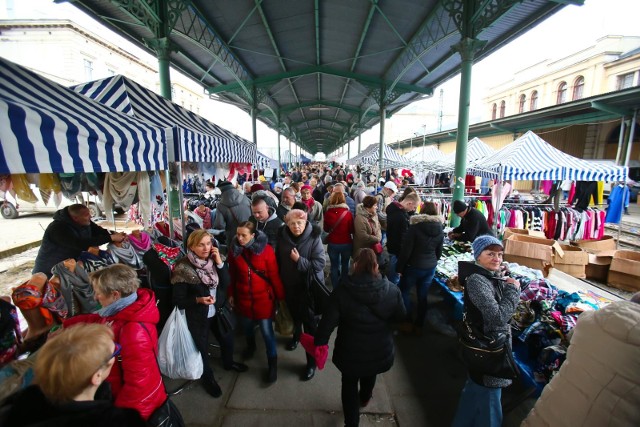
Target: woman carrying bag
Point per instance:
(301, 260)
(338, 222)
(199, 281)
(255, 287)
(367, 231)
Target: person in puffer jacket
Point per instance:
(599, 382)
(132, 314)
(421, 250)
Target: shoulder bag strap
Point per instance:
(339, 221)
(261, 275)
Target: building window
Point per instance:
(578, 86)
(88, 70)
(494, 111)
(625, 81)
(503, 106)
(562, 93)
(523, 100)
(533, 104)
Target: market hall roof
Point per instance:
(319, 70)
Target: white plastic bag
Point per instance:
(178, 356)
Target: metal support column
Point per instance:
(467, 48)
(631, 136)
(382, 105)
(164, 71)
(620, 142)
(279, 156)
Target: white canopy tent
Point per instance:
(370, 155)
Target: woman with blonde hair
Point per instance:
(132, 314)
(300, 254)
(69, 369)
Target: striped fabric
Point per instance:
(531, 158)
(370, 155)
(265, 162)
(425, 154)
(285, 157)
(198, 139)
(476, 150)
(46, 127)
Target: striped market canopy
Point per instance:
(531, 158)
(425, 154)
(48, 128)
(476, 151)
(265, 162)
(285, 157)
(370, 155)
(197, 139)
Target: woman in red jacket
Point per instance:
(255, 287)
(132, 314)
(338, 222)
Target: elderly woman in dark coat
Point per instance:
(361, 308)
(490, 301)
(200, 281)
(300, 253)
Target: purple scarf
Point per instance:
(206, 270)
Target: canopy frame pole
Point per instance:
(631, 136)
(381, 102)
(498, 206)
(620, 141)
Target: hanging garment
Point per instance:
(92, 262)
(22, 188)
(71, 184)
(76, 289)
(122, 187)
(141, 242)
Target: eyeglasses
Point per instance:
(116, 352)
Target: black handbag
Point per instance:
(227, 320)
(167, 415)
(317, 293)
(486, 355)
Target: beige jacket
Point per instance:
(599, 383)
(363, 238)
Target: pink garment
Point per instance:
(504, 192)
(320, 353)
(546, 186)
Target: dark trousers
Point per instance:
(226, 347)
(351, 396)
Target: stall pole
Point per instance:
(631, 136)
(381, 145)
(498, 206)
(279, 156)
(620, 142)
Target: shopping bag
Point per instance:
(178, 356)
(284, 321)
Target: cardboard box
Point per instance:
(573, 261)
(624, 272)
(607, 243)
(598, 267)
(534, 252)
(508, 231)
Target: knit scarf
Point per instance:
(124, 254)
(206, 270)
(75, 286)
(309, 202)
(140, 245)
(118, 305)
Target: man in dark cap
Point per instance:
(473, 223)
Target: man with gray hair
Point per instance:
(287, 199)
(340, 188)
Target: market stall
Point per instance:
(370, 155)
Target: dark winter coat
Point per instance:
(135, 378)
(187, 286)
(422, 246)
(233, 208)
(64, 239)
(343, 232)
(397, 226)
(362, 307)
(270, 228)
(489, 303)
(472, 225)
(31, 408)
(253, 296)
(294, 274)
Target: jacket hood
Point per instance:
(232, 198)
(341, 205)
(62, 215)
(467, 268)
(366, 289)
(257, 247)
(360, 210)
(142, 310)
(428, 225)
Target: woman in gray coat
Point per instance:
(300, 253)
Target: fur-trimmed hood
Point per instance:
(415, 219)
(341, 205)
(257, 247)
(426, 226)
(360, 210)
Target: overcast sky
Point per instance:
(573, 28)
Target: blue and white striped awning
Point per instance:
(198, 140)
(477, 150)
(46, 127)
(427, 154)
(289, 157)
(265, 162)
(531, 158)
(370, 155)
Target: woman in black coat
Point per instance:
(361, 308)
(200, 282)
(421, 250)
(300, 253)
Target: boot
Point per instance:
(310, 370)
(212, 387)
(272, 374)
(248, 352)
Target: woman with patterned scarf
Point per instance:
(314, 208)
(200, 282)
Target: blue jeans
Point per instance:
(339, 255)
(479, 406)
(420, 278)
(266, 329)
(392, 274)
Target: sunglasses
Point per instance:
(116, 352)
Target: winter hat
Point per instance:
(360, 184)
(482, 242)
(306, 187)
(277, 185)
(225, 186)
(256, 187)
(459, 206)
(391, 186)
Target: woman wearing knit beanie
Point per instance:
(490, 301)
